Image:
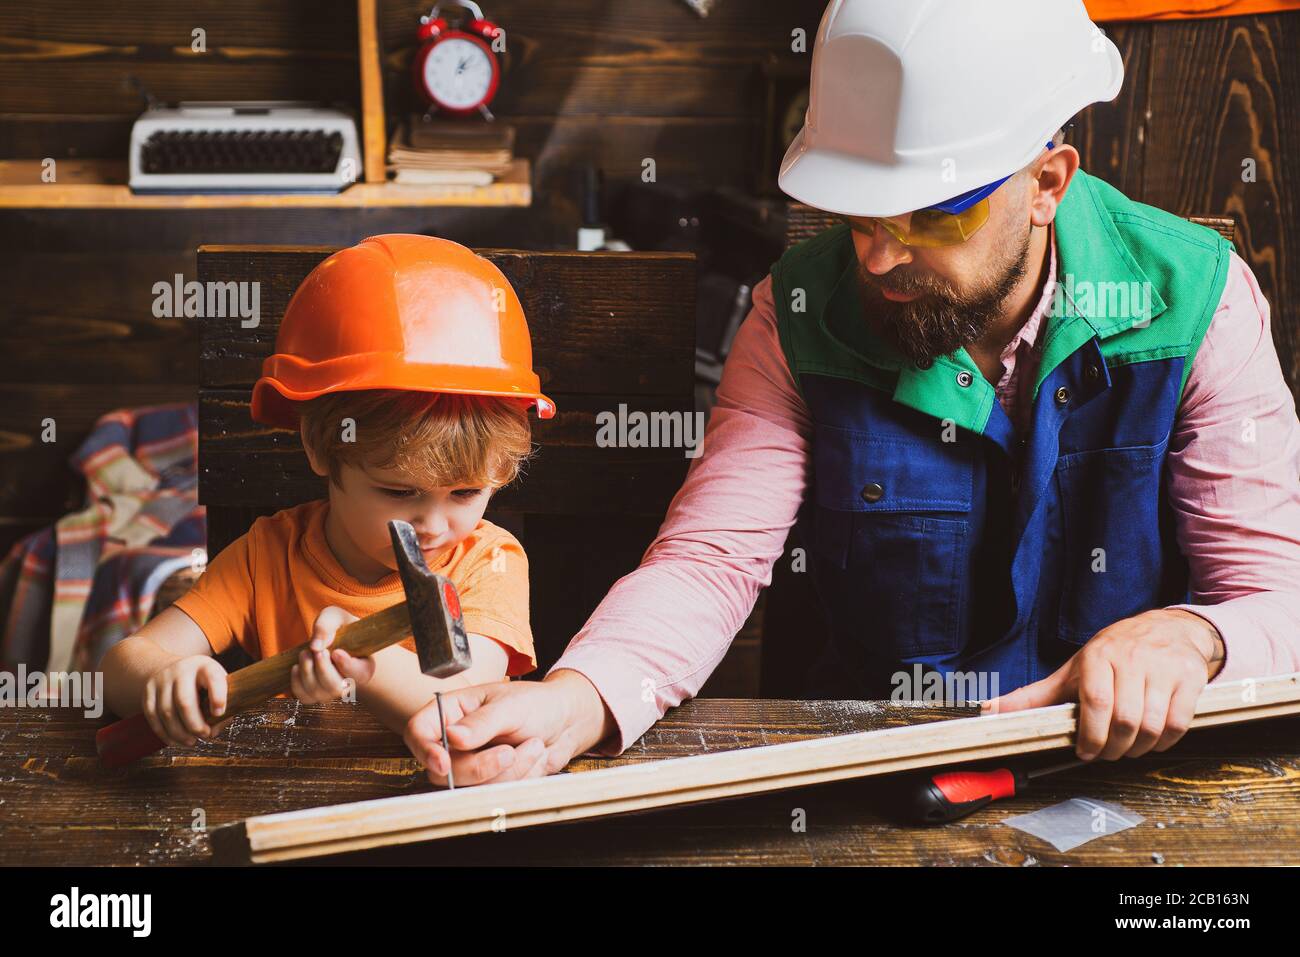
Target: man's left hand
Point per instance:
(1136, 681)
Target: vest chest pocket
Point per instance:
(1112, 567)
(891, 532)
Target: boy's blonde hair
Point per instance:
(432, 438)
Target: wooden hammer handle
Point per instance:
(131, 738)
(255, 683)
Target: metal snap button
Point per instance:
(1062, 395)
(873, 492)
(964, 378)
(1093, 372)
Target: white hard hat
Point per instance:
(914, 102)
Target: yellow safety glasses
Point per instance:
(930, 227)
(945, 224)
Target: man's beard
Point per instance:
(938, 323)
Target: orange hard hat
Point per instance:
(400, 311)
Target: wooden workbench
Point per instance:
(1226, 796)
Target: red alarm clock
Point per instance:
(456, 69)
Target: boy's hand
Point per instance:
(171, 699)
(322, 675)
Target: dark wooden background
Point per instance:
(604, 81)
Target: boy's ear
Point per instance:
(316, 466)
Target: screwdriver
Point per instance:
(951, 795)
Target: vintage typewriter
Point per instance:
(250, 147)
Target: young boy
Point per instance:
(405, 364)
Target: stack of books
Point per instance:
(432, 151)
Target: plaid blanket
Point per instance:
(74, 590)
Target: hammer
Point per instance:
(431, 613)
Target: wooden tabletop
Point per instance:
(1226, 796)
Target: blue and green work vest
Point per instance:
(936, 535)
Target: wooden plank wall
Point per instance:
(610, 81)
(1201, 99)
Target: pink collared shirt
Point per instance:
(1234, 473)
(1021, 355)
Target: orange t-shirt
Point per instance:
(266, 588)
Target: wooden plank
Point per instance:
(101, 184)
(1221, 132)
(66, 56)
(601, 323)
(573, 32)
(161, 24)
(517, 804)
(718, 151)
(93, 240)
(98, 311)
(1111, 137)
(100, 352)
(372, 93)
(98, 78)
(105, 285)
(602, 57)
(65, 135)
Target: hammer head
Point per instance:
(440, 639)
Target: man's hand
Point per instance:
(535, 727)
(321, 675)
(1136, 682)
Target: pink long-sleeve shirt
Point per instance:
(1234, 473)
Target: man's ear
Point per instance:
(1051, 181)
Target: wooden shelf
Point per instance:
(101, 184)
